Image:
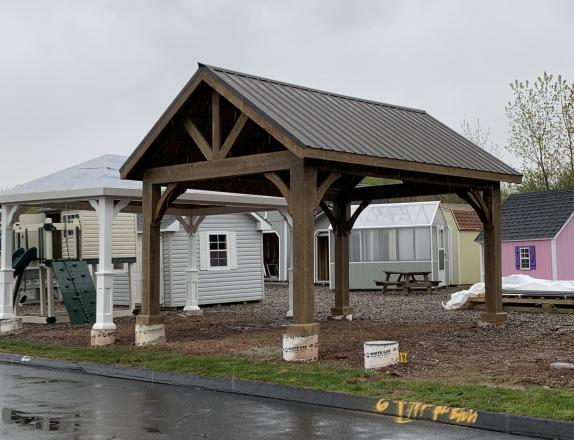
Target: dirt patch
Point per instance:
(445, 345)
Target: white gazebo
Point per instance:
(96, 185)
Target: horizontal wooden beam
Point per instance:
(393, 191)
(408, 166)
(405, 176)
(239, 185)
(220, 168)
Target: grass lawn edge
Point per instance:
(555, 404)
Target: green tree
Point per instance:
(541, 115)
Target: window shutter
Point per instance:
(203, 250)
(532, 257)
(517, 257)
(232, 250)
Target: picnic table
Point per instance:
(411, 280)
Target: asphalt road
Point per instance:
(44, 404)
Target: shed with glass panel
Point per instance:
(395, 237)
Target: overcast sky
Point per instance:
(83, 78)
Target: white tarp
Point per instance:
(523, 283)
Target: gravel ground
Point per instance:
(440, 344)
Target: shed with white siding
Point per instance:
(230, 250)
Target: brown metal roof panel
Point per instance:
(334, 122)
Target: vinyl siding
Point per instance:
(244, 283)
(215, 286)
(121, 288)
(123, 236)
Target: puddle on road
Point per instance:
(42, 421)
(34, 380)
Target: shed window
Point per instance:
(422, 244)
(525, 257)
(406, 244)
(369, 245)
(403, 244)
(218, 250)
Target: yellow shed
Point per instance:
(465, 226)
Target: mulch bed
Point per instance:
(445, 345)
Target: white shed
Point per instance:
(232, 242)
(396, 237)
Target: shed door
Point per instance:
(322, 269)
(442, 256)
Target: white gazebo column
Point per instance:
(8, 321)
(190, 225)
(104, 329)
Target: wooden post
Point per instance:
(301, 341)
(492, 259)
(149, 324)
(342, 308)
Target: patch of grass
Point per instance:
(535, 402)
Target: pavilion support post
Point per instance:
(342, 309)
(150, 327)
(492, 259)
(8, 321)
(191, 225)
(104, 329)
(301, 343)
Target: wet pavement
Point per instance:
(44, 404)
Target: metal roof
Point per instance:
(535, 216)
(329, 121)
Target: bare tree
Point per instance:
(480, 136)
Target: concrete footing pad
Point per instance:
(102, 337)
(10, 326)
(301, 348)
(153, 334)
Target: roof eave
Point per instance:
(404, 165)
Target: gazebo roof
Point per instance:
(99, 177)
(311, 121)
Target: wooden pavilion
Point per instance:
(234, 132)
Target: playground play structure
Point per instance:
(57, 270)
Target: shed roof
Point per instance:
(391, 215)
(320, 120)
(535, 216)
(464, 215)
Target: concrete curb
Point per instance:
(403, 411)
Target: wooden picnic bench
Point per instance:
(411, 280)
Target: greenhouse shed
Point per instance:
(405, 237)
